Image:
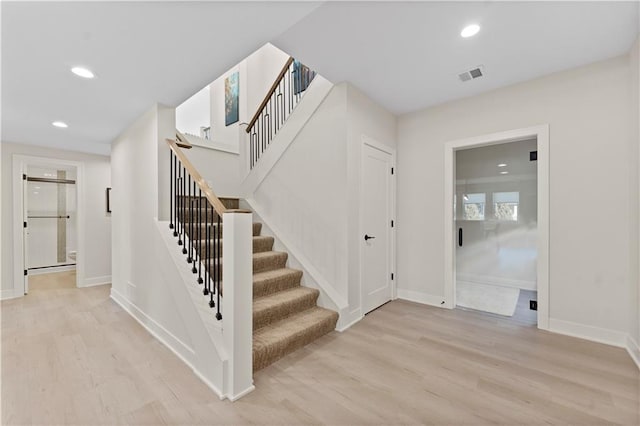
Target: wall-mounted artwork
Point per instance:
(231, 99)
(302, 76)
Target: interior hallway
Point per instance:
(72, 356)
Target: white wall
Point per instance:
(97, 232)
(219, 168)
(194, 113)
(634, 158)
(136, 276)
(588, 112)
(304, 192)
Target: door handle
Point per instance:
(367, 238)
(459, 237)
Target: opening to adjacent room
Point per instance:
(496, 224)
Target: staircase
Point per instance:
(285, 314)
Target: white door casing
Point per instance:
(376, 236)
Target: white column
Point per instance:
(237, 315)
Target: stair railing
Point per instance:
(218, 256)
(278, 104)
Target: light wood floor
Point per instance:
(72, 356)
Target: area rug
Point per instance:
(487, 298)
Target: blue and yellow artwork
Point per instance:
(231, 99)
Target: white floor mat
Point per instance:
(487, 298)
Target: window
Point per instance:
(505, 205)
(473, 206)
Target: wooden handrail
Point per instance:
(273, 88)
(182, 141)
(197, 178)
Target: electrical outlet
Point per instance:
(533, 305)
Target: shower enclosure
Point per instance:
(50, 204)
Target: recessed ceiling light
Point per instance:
(470, 30)
(503, 173)
(82, 72)
(502, 165)
(60, 124)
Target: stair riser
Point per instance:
(259, 246)
(267, 287)
(230, 203)
(268, 355)
(257, 227)
(282, 311)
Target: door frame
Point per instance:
(541, 133)
(368, 141)
(20, 163)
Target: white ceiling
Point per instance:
(141, 53)
(407, 56)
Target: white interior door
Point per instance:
(376, 208)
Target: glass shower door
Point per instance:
(51, 219)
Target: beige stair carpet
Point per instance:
(285, 314)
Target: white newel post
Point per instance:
(244, 150)
(237, 315)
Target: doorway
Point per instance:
(48, 218)
(480, 224)
(50, 225)
(377, 201)
(496, 223)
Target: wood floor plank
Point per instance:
(85, 361)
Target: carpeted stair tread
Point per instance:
(269, 260)
(278, 339)
(268, 282)
(260, 244)
(280, 305)
(265, 261)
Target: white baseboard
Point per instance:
(90, 282)
(52, 270)
(634, 350)
(179, 348)
(343, 327)
(588, 332)
(420, 297)
(10, 294)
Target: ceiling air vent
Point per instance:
(471, 74)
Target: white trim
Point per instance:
(19, 168)
(9, 294)
(91, 282)
(51, 270)
(588, 332)
(541, 133)
(210, 144)
(344, 327)
(420, 297)
(366, 140)
(175, 345)
(634, 350)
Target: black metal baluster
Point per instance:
(200, 251)
(183, 209)
(175, 184)
(171, 189)
(198, 225)
(207, 253)
(179, 219)
(189, 216)
(219, 271)
(214, 262)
